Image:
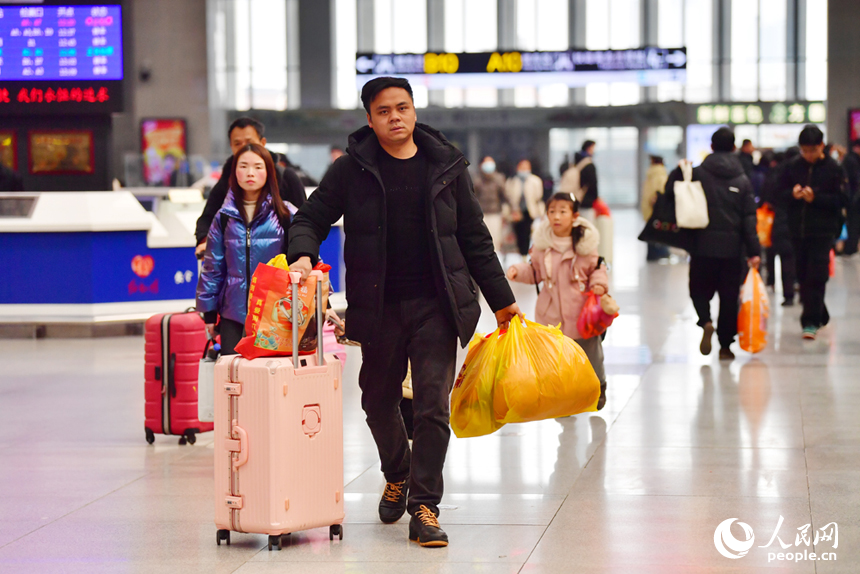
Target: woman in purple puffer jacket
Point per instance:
(249, 229)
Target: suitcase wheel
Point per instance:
(335, 530)
(150, 436)
(182, 440)
(192, 438)
(222, 535)
(275, 541)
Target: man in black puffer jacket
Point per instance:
(812, 192)
(415, 239)
(716, 258)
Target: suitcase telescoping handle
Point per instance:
(295, 278)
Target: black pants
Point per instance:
(418, 330)
(853, 225)
(523, 231)
(789, 276)
(708, 276)
(231, 333)
(813, 271)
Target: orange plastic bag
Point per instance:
(529, 373)
(268, 325)
(764, 225)
(752, 319)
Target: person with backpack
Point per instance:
(580, 179)
(564, 258)
(242, 132)
(249, 229)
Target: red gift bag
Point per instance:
(593, 320)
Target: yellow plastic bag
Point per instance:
(529, 373)
(752, 318)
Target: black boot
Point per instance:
(425, 530)
(393, 503)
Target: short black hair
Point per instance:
(372, 88)
(855, 143)
(745, 142)
(244, 122)
(587, 144)
(811, 135)
(723, 140)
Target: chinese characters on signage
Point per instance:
(778, 113)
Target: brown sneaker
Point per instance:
(425, 530)
(726, 355)
(393, 503)
(705, 345)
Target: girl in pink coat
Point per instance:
(564, 257)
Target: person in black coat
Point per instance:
(812, 192)
(415, 246)
(242, 132)
(588, 175)
(717, 250)
(780, 238)
(851, 164)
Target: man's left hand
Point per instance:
(504, 316)
(808, 194)
(754, 262)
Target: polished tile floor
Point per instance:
(685, 443)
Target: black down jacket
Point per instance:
(731, 230)
(823, 216)
(461, 244)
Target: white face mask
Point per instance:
(488, 166)
(523, 173)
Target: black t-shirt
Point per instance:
(409, 272)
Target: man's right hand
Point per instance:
(200, 250)
(797, 192)
(210, 330)
(304, 265)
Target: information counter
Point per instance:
(100, 256)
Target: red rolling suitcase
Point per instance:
(174, 344)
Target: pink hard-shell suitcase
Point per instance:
(174, 343)
(279, 442)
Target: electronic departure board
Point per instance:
(54, 43)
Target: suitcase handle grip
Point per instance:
(243, 446)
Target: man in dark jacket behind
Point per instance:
(716, 264)
(415, 239)
(851, 163)
(812, 191)
(588, 174)
(242, 132)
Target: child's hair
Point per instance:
(577, 231)
(269, 189)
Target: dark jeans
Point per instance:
(231, 333)
(708, 276)
(420, 331)
(786, 257)
(853, 225)
(523, 231)
(813, 271)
